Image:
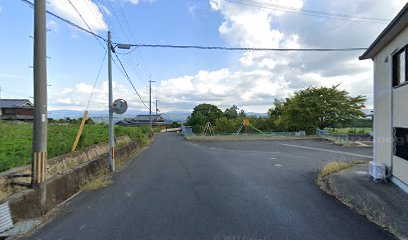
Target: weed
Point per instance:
(331, 168)
(100, 181)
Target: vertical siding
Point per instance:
(382, 111)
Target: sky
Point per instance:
(185, 78)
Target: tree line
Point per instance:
(305, 110)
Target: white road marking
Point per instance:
(229, 150)
(129, 194)
(278, 165)
(272, 158)
(328, 150)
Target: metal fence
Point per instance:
(187, 131)
(266, 134)
(332, 136)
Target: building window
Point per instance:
(399, 68)
(401, 142)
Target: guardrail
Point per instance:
(332, 136)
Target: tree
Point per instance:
(232, 112)
(320, 107)
(202, 114)
(224, 125)
(174, 125)
(277, 109)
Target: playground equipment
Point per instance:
(209, 129)
(246, 124)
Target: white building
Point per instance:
(389, 53)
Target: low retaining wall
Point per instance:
(60, 164)
(360, 137)
(25, 204)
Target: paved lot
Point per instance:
(217, 190)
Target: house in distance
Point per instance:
(140, 120)
(16, 109)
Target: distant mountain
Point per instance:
(102, 116)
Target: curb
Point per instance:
(327, 186)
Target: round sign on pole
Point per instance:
(119, 106)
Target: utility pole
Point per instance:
(156, 109)
(150, 102)
(111, 132)
(39, 151)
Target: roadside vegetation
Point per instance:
(351, 130)
(306, 110)
(16, 139)
(333, 167)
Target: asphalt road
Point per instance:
(225, 190)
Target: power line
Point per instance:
(208, 47)
(83, 19)
(249, 48)
(144, 69)
(130, 81)
(66, 21)
(308, 12)
(96, 80)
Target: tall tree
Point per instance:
(202, 114)
(321, 107)
(231, 112)
(277, 109)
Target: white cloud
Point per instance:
(135, 2)
(52, 25)
(259, 77)
(88, 10)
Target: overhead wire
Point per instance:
(83, 19)
(146, 68)
(96, 81)
(249, 48)
(140, 62)
(308, 12)
(207, 47)
(67, 21)
(130, 81)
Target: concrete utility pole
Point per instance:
(156, 109)
(39, 163)
(150, 102)
(111, 131)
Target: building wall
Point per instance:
(390, 106)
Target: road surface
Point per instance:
(217, 190)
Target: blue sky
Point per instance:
(185, 78)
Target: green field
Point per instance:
(351, 130)
(16, 140)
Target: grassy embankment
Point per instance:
(16, 140)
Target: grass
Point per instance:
(356, 130)
(333, 167)
(16, 140)
(101, 181)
